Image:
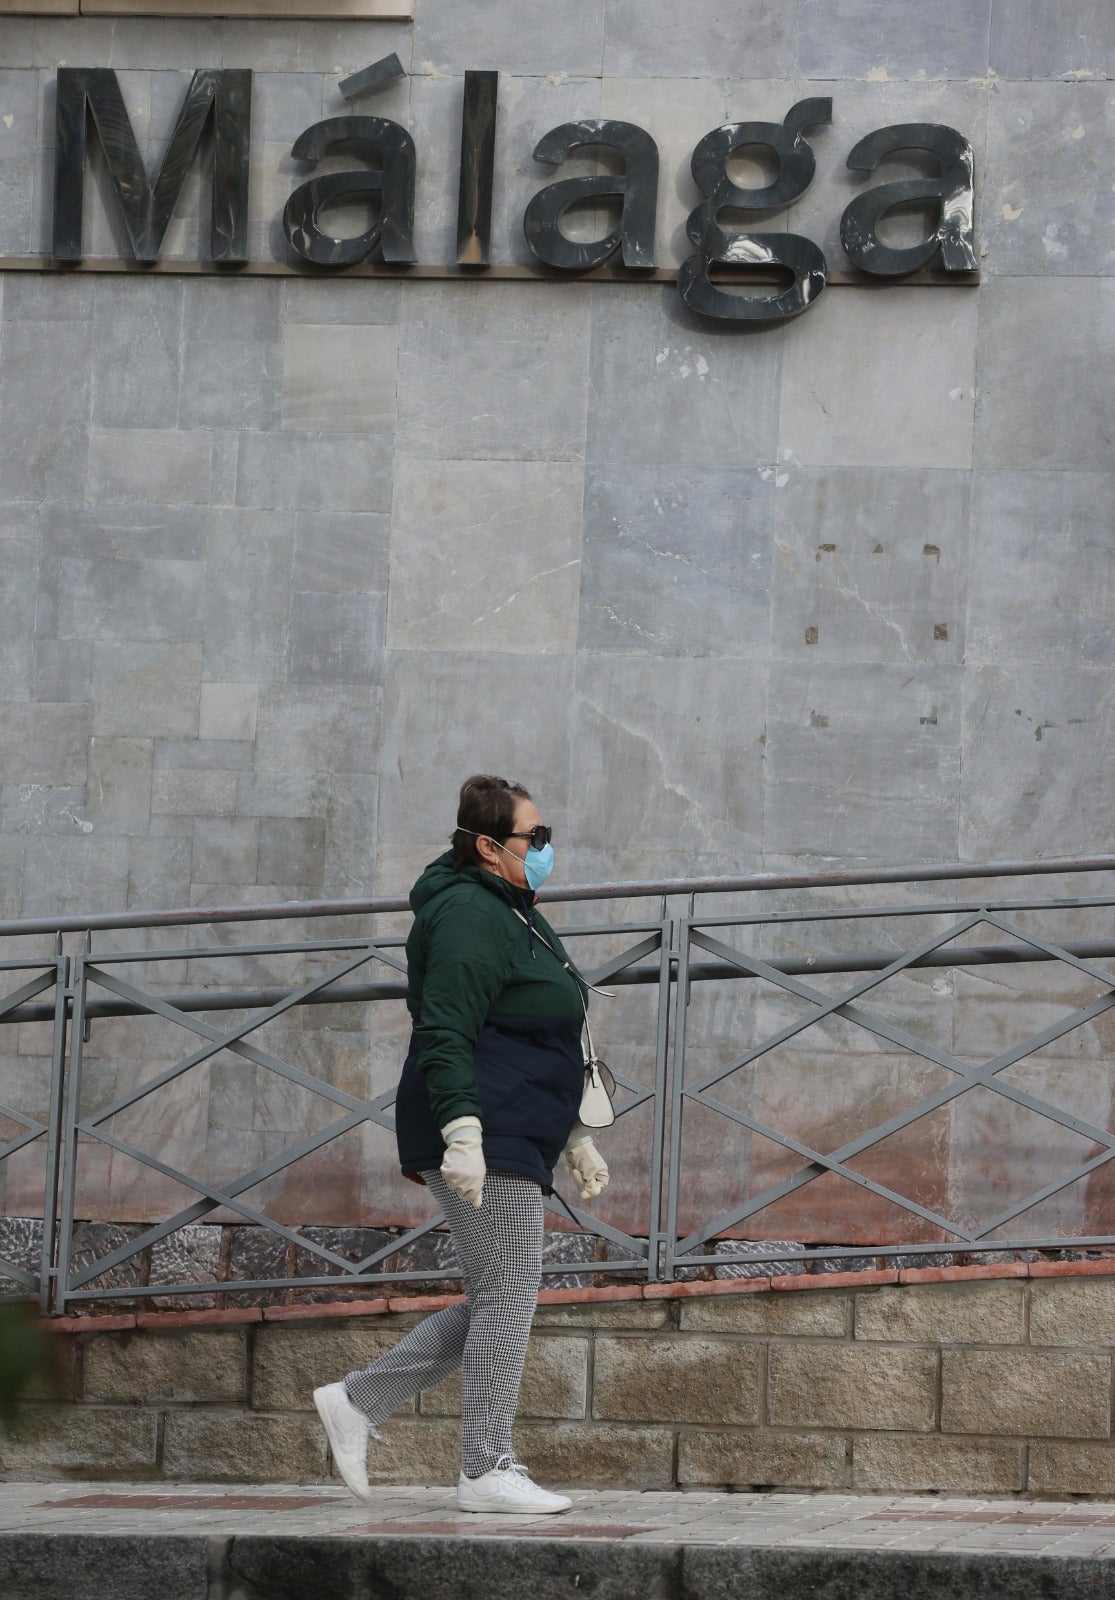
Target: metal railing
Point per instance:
(737, 992)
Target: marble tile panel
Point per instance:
(351, 302)
(1037, 762)
(16, 220)
(19, 96)
(1033, 333)
(124, 532)
(314, 471)
(1048, 203)
(62, 669)
(19, 582)
(846, 395)
(1056, 528)
(283, 794)
(159, 872)
(336, 48)
(118, 794)
(43, 414)
(137, 335)
(43, 743)
(705, 39)
(341, 552)
(528, 37)
(340, 379)
(146, 690)
(130, 599)
(250, 553)
(225, 849)
(66, 874)
(46, 297)
(292, 850)
(203, 754)
(228, 711)
(493, 370)
(165, 44)
(464, 575)
(286, 103)
(42, 808)
(868, 39)
(667, 388)
(478, 713)
(528, 108)
(863, 760)
(317, 728)
(218, 313)
(1073, 39)
(19, 41)
(167, 466)
(677, 561)
(870, 565)
(336, 638)
(350, 834)
(193, 794)
(230, 384)
(12, 852)
(668, 754)
(222, 477)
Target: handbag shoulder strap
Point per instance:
(569, 967)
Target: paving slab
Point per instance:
(245, 1542)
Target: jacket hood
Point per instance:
(441, 875)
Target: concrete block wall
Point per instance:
(974, 1381)
(283, 559)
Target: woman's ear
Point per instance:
(488, 851)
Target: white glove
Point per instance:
(463, 1164)
(586, 1164)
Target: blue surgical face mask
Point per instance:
(538, 864)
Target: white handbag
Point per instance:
(597, 1109)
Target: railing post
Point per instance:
(677, 1084)
(72, 1101)
(62, 996)
(666, 958)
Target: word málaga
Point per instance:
(720, 228)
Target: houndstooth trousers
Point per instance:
(499, 1247)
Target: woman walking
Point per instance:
(487, 1102)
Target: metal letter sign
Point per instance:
(725, 249)
(227, 94)
(719, 246)
(637, 189)
(954, 235)
(377, 138)
(478, 160)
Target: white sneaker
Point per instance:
(347, 1428)
(507, 1488)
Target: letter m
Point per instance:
(147, 209)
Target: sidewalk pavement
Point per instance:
(114, 1541)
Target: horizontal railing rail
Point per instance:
(721, 1185)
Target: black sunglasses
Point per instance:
(539, 836)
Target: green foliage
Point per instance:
(25, 1357)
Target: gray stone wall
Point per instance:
(970, 1387)
(284, 558)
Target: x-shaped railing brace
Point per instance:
(841, 1005)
